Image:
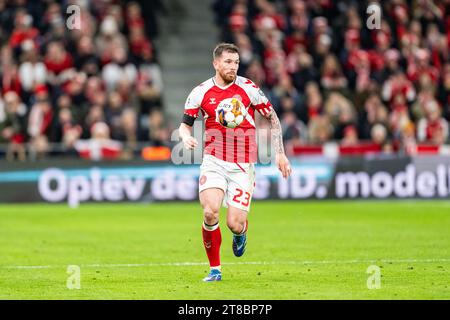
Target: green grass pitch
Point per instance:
(296, 250)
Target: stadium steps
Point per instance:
(188, 36)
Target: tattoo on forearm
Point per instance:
(277, 137)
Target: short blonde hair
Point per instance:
(224, 47)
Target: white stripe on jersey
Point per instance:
(247, 115)
(196, 96)
(253, 91)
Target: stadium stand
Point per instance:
(341, 87)
(338, 87)
(98, 86)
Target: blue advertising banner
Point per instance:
(75, 182)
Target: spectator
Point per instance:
(39, 123)
(444, 92)
(149, 84)
(99, 146)
(379, 134)
(119, 68)
(109, 39)
(332, 77)
(432, 128)
(350, 136)
(66, 129)
(401, 60)
(32, 72)
(23, 30)
(313, 106)
(10, 80)
(13, 125)
(320, 130)
(341, 113)
(295, 132)
(65, 90)
(85, 59)
(58, 62)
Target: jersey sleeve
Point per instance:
(192, 105)
(259, 100)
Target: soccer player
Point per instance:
(227, 173)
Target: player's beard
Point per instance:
(228, 77)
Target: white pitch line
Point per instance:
(182, 264)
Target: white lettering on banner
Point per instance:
(306, 189)
(283, 188)
(162, 187)
(381, 184)
(78, 189)
(133, 190)
(168, 187)
(187, 188)
(44, 185)
(56, 185)
(113, 188)
(353, 180)
(404, 182)
(426, 184)
(442, 188)
(262, 188)
(300, 185)
(407, 183)
(96, 179)
(321, 192)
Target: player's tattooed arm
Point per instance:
(277, 134)
(277, 141)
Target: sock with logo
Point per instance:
(212, 239)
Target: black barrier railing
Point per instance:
(30, 152)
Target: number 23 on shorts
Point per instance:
(238, 197)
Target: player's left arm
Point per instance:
(277, 142)
(264, 107)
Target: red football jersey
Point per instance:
(232, 145)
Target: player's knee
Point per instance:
(235, 226)
(211, 214)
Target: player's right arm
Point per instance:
(191, 109)
(186, 136)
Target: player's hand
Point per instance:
(283, 165)
(190, 142)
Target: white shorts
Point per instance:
(237, 180)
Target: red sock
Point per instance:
(212, 239)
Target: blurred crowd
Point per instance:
(79, 74)
(332, 77)
(93, 86)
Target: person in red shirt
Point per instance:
(23, 30)
(227, 174)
